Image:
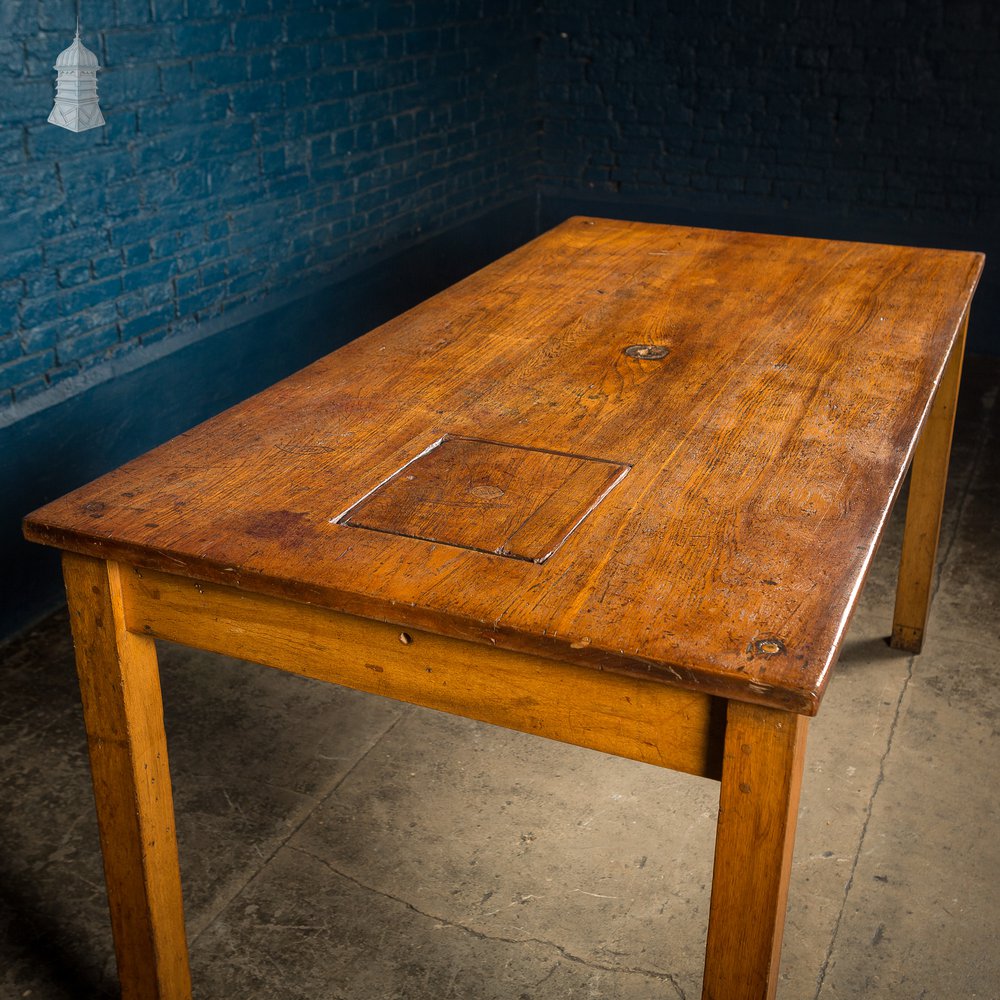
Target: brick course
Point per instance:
(251, 147)
(256, 146)
(882, 111)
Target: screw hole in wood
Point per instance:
(647, 352)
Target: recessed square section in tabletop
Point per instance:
(498, 498)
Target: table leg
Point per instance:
(758, 805)
(120, 686)
(928, 476)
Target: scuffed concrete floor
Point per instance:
(335, 845)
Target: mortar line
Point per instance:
(942, 562)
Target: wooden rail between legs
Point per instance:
(639, 719)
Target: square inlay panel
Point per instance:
(498, 498)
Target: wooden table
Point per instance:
(620, 489)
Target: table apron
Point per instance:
(630, 717)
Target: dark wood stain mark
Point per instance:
(278, 524)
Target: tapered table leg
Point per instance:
(928, 477)
(761, 777)
(120, 685)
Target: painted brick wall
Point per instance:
(252, 147)
(886, 110)
(256, 146)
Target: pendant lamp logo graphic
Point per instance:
(76, 106)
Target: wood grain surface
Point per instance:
(123, 711)
(758, 808)
(487, 496)
(766, 448)
(631, 717)
(924, 506)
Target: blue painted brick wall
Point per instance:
(885, 111)
(251, 147)
(256, 146)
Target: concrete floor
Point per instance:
(337, 846)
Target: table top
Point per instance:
(651, 449)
